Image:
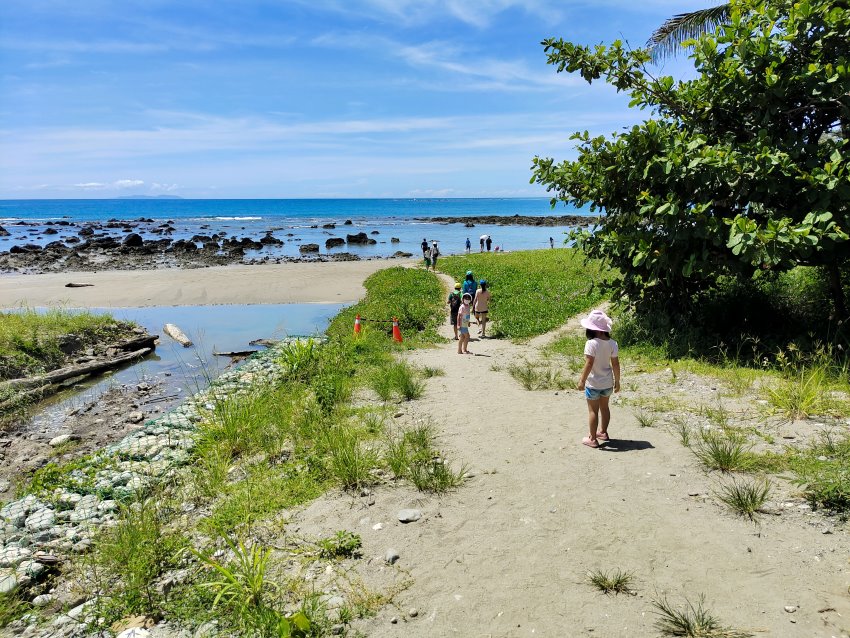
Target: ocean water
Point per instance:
(293, 221)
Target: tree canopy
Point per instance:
(744, 168)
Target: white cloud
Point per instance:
(166, 188)
(91, 186)
(127, 183)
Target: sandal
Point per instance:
(589, 442)
(602, 436)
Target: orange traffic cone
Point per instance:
(396, 331)
(357, 326)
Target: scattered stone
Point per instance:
(43, 600)
(409, 516)
(391, 556)
(62, 439)
(8, 582)
(135, 417)
(413, 613)
(790, 608)
(394, 620)
(4, 485)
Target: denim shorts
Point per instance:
(464, 330)
(592, 394)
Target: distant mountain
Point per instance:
(150, 197)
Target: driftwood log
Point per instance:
(70, 372)
(73, 285)
(178, 335)
(236, 353)
(264, 342)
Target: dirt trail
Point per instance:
(508, 553)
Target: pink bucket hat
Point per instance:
(597, 320)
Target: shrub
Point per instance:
(745, 498)
(613, 582)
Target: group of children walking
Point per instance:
(468, 298)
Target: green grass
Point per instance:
(343, 544)
(533, 291)
(32, 342)
(412, 454)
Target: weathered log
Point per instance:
(73, 285)
(145, 341)
(236, 353)
(178, 335)
(69, 372)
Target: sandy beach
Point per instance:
(331, 282)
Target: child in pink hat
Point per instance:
(601, 375)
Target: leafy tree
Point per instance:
(667, 39)
(743, 169)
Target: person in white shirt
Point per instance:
(600, 377)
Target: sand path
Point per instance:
(330, 282)
(508, 553)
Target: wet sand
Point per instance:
(333, 282)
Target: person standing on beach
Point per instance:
(551, 242)
(468, 246)
(600, 377)
(435, 252)
(425, 248)
(481, 306)
(463, 324)
(454, 305)
(489, 242)
(481, 241)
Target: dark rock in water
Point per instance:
(328, 225)
(271, 240)
(515, 220)
(375, 232)
(345, 257)
(332, 242)
(348, 222)
(359, 238)
(56, 246)
(51, 231)
(308, 248)
(86, 231)
(103, 242)
(394, 240)
(72, 240)
(314, 226)
(133, 240)
(181, 245)
(401, 253)
(26, 248)
(212, 246)
(64, 223)
(201, 239)
(4, 232)
(469, 225)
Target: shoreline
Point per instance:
(295, 282)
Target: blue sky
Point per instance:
(299, 98)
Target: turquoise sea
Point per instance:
(294, 221)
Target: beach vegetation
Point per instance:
(533, 291)
(130, 557)
(537, 375)
(33, 342)
(614, 581)
(343, 544)
(744, 497)
(12, 607)
(413, 454)
(723, 450)
(692, 620)
(710, 196)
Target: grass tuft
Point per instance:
(412, 454)
(613, 582)
(745, 498)
(538, 376)
(724, 451)
(801, 396)
(691, 621)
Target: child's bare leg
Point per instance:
(605, 414)
(484, 326)
(592, 417)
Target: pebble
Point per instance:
(790, 608)
(378, 526)
(394, 620)
(409, 515)
(413, 613)
(391, 556)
